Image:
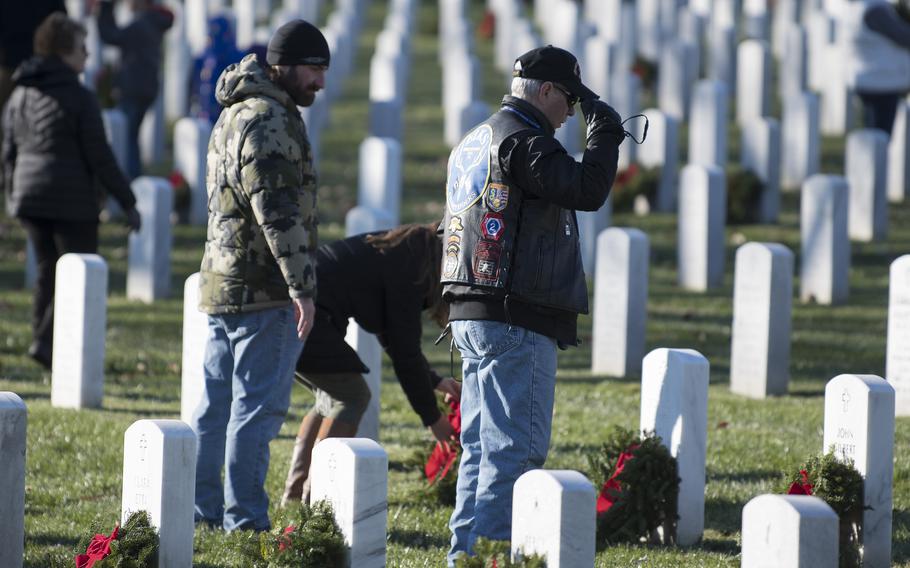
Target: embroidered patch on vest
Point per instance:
(486, 261)
(455, 224)
(492, 226)
(451, 264)
(497, 197)
(469, 170)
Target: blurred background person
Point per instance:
(220, 52)
(54, 149)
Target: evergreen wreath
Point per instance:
(640, 489)
(305, 536)
(633, 182)
(497, 554)
(134, 545)
(839, 485)
(744, 189)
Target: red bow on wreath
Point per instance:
(98, 549)
(445, 453)
(609, 493)
(284, 541)
(801, 487)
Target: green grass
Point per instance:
(74, 457)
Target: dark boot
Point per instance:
(300, 459)
(330, 429)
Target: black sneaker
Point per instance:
(41, 355)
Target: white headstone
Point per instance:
(702, 219)
(708, 125)
(352, 475)
(859, 424)
(897, 366)
(674, 405)
(800, 148)
(13, 426)
(80, 317)
(245, 11)
(661, 149)
(675, 78)
(866, 171)
(148, 277)
(590, 225)
(756, 19)
(196, 13)
(385, 119)
(598, 63)
(753, 81)
(792, 531)
(177, 62)
(195, 336)
(380, 176)
(620, 302)
(762, 297)
(793, 73)
(384, 84)
(786, 13)
(624, 94)
(159, 477)
(899, 155)
(760, 153)
(825, 247)
(191, 142)
(722, 51)
(152, 133)
(115, 129)
(648, 29)
(554, 515)
(460, 86)
(819, 39)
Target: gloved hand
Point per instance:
(133, 220)
(601, 118)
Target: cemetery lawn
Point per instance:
(74, 459)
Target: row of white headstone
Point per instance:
(462, 89)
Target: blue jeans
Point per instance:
(249, 369)
(506, 417)
(134, 109)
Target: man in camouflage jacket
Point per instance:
(258, 278)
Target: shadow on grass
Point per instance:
(417, 539)
(900, 547)
(744, 476)
(724, 516)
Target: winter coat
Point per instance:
(54, 146)
(262, 198)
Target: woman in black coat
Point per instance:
(384, 281)
(54, 149)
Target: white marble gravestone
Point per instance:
(866, 172)
(800, 149)
(674, 85)
(148, 277)
(460, 86)
(661, 149)
(708, 124)
(753, 81)
(13, 426)
(897, 362)
(760, 153)
(899, 155)
(722, 55)
(762, 298)
(191, 142)
(385, 119)
(756, 19)
(195, 336)
(177, 63)
(379, 185)
(859, 425)
(115, 129)
(702, 219)
(789, 531)
(674, 405)
(80, 317)
(590, 225)
(152, 132)
(793, 74)
(624, 94)
(554, 516)
(352, 475)
(196, 14)
(159, 477)
(825, 258)
(598, 66)
(620, 302)
(648, 29)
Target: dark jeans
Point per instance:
(134, 109)
(879, 110)
(51, 239)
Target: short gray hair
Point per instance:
(527, 89)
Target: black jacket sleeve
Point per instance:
(7, 152)
(107, 26)
(98, 154)
(540, 165)
(884, 19)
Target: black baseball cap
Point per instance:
(298, 42)
(556, 65)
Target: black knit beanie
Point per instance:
(298, 43)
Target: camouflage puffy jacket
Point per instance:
(261, 240)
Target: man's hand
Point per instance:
(451, 388)
(443, 431)
(133, 220)
(601, 118)
(304, 313)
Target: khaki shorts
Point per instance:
(339, 396)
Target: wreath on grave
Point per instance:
(181, 191)
(635, 183)
(839, 485)
(497, 554)
(305, 536)
(646, 71)
(441, 466)
(744, 190)
(134, 545)
(639, 489)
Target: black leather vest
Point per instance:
(501, 243)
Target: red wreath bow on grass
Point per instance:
(98, 549)
(609, 493)
(284, 541)
(801, 487)
(445, 453)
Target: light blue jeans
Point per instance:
(249, 367)
(506, 417)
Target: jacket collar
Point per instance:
(530, 111)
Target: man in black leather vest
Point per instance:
(513, 275)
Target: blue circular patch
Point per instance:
(469, 170)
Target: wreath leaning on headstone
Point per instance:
(839, 485)
(134, 545)
(305, 535)
(639, 489)
(497, 554)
